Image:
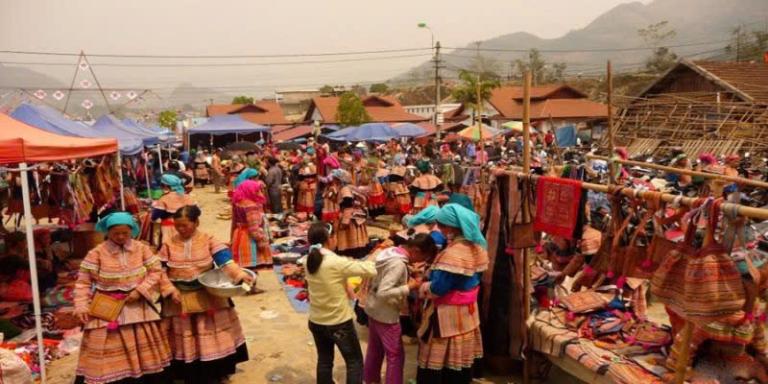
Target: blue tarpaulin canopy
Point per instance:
(566, 136)
(111, 123)
(163, 134)
(51, 120)
(409, 130)
(365, 132)
(226, 124)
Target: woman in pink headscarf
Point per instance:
(250, 235)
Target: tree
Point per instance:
(654, 35)
(747, 46)
(168, 119)
(351, 110)
(379, 88)
(327, 89)
(242, 100)
(466, 91)
(541, 71)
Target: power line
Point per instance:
(145, 56)
(217, 65)
(584, 50)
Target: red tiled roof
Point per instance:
(747, 77)
(556, 109)
(381, 109)
(260, 112)
(506, 99)
(292, 133)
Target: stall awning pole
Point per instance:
(526, 215)
(33, 267)
(160, 157)
(147, 175)
(120, 177)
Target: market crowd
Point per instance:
(147, 318)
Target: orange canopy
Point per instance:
(20, 142)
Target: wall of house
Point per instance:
(687, 80)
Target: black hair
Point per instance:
(190, 212)
(317, 234)
(424, 243)
(272, 161)
(14, 239)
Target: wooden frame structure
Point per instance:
(697, 109)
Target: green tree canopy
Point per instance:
(168, 119)
(379, 88)
(655, 35)
(466, 91)
(541, 71)
(747, 45)
(242, 100)
(351, 110)
(327, 89)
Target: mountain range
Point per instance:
(702, 29)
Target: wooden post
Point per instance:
(479, 110)
(526, 214)
(611, 143)
(527, 123)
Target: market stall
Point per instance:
(21, 145)
(590, 253)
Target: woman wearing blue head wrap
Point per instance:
(424, 222)
(449, 338)
(127, 341)
(166, 206)
(425, 216)
(461, 199)
(246, 174)
(173, 183)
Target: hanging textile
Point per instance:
(557, 206)
(503, 293)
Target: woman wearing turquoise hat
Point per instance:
(115, 295)
(449, 334)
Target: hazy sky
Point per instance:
(238, 27)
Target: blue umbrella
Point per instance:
(367, 132)
(409, 130)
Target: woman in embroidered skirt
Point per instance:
(172, 200)
(331, 208)
(425, 187)
(307, 188)
(250, 237)
(352, 233)
(202, 176)
(123, 340)
(449, 335)
(207, 343)
(398, 194)
(377, 197)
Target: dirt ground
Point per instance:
(281, 348)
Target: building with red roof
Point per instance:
(381, 109)
(265, 112)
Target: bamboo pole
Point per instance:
(734, 179)
(743, 210)
(526, 215)
(611, 139)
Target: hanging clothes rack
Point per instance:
(733, 179)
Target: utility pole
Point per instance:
(438, 113)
